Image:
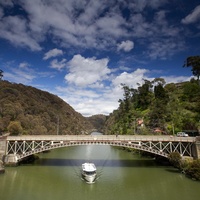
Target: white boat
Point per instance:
(89, 172)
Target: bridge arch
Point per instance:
(132, 146)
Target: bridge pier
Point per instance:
(197, 146)
(2, 147)
(2, 152)
(11, 159)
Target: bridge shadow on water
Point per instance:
(98, 162)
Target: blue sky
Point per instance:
(82, 50)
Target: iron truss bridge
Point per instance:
(23, 146)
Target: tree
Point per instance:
(127, 97)
(193, 170)
(175, 159)
(15, 128)
(145, 95)
(159, 81)
(1, 74)
(194, 62)
(160, 93)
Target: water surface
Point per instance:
(121, 176)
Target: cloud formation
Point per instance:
(87, 24)
(15, 30)
(59, 65)
(53, 53)
(21, 73)
(193, 17)
(125, 45)
(85, 72)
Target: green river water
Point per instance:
(121, 176)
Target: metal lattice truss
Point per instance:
(165, 148)
(25, 148)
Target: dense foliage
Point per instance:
(193, 170)
(27, 110)
(157, 108)
(188, 166)
(175, 159)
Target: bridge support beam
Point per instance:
(197, 147)
(11, 159)
(2, 147)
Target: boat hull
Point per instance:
(89, 178)
(89, 172)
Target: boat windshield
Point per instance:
(90, 173)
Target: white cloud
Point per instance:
(193, 17)
(125, 46)
(53, 53)
(102, 100)
(59, 65)
(87, 71)
(105, 107)
(24, 65)
(72, 23)
(87, 102)
(176, 79)
(124, 68)
(165, 48)
(85, 24)
(130, 79)
(15, 30)
(112, 25)
(21, 74)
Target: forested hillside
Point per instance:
(27, 110)
(98, 121)
(157, 108)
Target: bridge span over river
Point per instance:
(18, 147)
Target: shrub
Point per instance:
(175, 159)
(193, 170)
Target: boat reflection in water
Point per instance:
(89, 172)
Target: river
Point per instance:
(121, 176)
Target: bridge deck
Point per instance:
(101, 138)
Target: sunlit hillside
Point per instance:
(27, 110)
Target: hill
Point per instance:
(98, 122)
(27, 110)
(157, 108)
